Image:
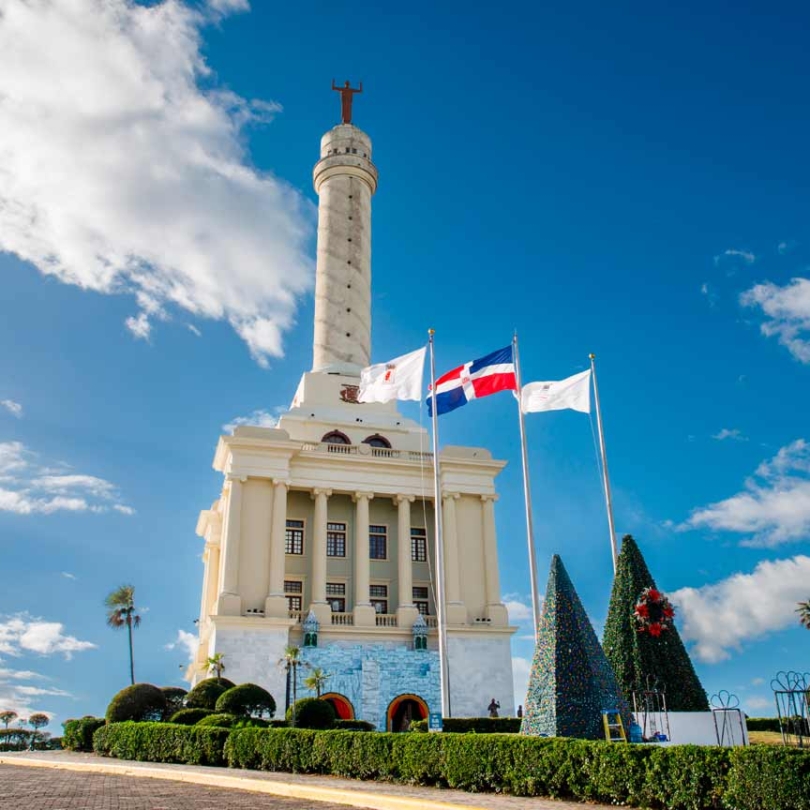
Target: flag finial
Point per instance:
(592, 356)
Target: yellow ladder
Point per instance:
(614, 728)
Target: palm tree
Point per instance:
(316, 680)
(291, 661)
(216, 663)
(804, 613)
(121, 613)
(7, 717)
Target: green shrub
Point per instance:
(15, 739)
(190, 717)
(763, 724)
(141, 702)
(353, 725)
(206, 693)
(175, 700)
(161, 742)
(247, 699)
(252, 722)
(312, 713)
(768, 776)
(216, 720)
(278, 723)
(78, 734)
(478, 725)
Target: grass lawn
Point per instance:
(765, 738)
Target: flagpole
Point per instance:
(605, 476)
(527, 495)
(437, 510)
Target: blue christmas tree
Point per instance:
(571, 682)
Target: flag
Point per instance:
(479, 378)
(400, 378)
(572, 392)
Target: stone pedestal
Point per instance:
(229, 604)
(276, 606)
(323, 613)
(365, 616)
(406, 616)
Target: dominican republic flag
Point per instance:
(480, 378)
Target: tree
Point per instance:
(291, 661)
(246, 699)
(38, 721)
(7, 717)
(804, 613)
(121, 613)
(316, 680)
(216, 663)
(640, 659)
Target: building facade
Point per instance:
(322, 536)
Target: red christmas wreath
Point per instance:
(653, 612)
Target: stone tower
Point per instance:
(345, 180)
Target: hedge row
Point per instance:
(673, 778)
(477, 725)
(161, 742)
(762, 724)
(79, 733)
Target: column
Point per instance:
(230, 603)
(276, 602)
(318, 604)
(495, 610)
(406, 612)
(456, 612)
(364, 614)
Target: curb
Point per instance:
(290, 790)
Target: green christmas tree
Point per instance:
(571, 682)
(640, 659)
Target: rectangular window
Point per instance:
(294, 538)
(335, 539)
(379, 598)
(293, 590)
(418, 544)
(336, 596)
(420, 599)
(378, 542)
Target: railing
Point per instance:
(431, 621)
(297, 615)
(386, 620)
(364, 449)
(344, 619)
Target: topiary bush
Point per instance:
(312, 713)
(141, 702)
(175, 700)
(354, 725)
(206, 693)
(78, 734)
(161, 742)
(477, 725)
(190, 717)
(247, 699)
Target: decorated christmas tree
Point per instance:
(571, 682)
(641, 640)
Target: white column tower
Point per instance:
(345, 180)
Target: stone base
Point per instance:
(365, 616)
(276, 607)
(498, 615)
(456, 613)
(406, 616)
(323, 613)
(229, 604)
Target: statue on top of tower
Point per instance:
(346, 94)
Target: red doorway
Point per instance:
(404, 710)
(343, 708)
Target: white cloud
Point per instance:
(68, 575)
(521, 668)
(184, 641)
(785, 247)
(23, 633)
(720, 618)
(193, 329)
(788, 314)
(745, 256)
(758, 702)
(730, 433)
(26, 488)
(518, 611)
(124, 169)
(14, 408)
(757, 681)
(259, 418)
(774, 506)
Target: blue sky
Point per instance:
(629, 180)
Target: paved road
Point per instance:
(24, 788)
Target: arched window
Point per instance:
(336, 437)
(377, 441)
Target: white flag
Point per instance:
(400, 378)
(572, 392)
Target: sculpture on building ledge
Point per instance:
(420, 632)
(311, 626)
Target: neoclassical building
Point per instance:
(322, 536)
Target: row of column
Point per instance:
(276, 602)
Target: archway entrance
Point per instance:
(404, 710)
(343, 708)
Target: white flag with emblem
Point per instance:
(400, 378)
(572, 392)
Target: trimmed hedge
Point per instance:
(476, 725)
(247, 699)
(312, 713)
(353, 725)
(684, 777)
(78, 734)
(763, 724)
(220, 720)
(206, 693)
(140, 702)
(175, 700)
(190, 717)
(162, 742)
